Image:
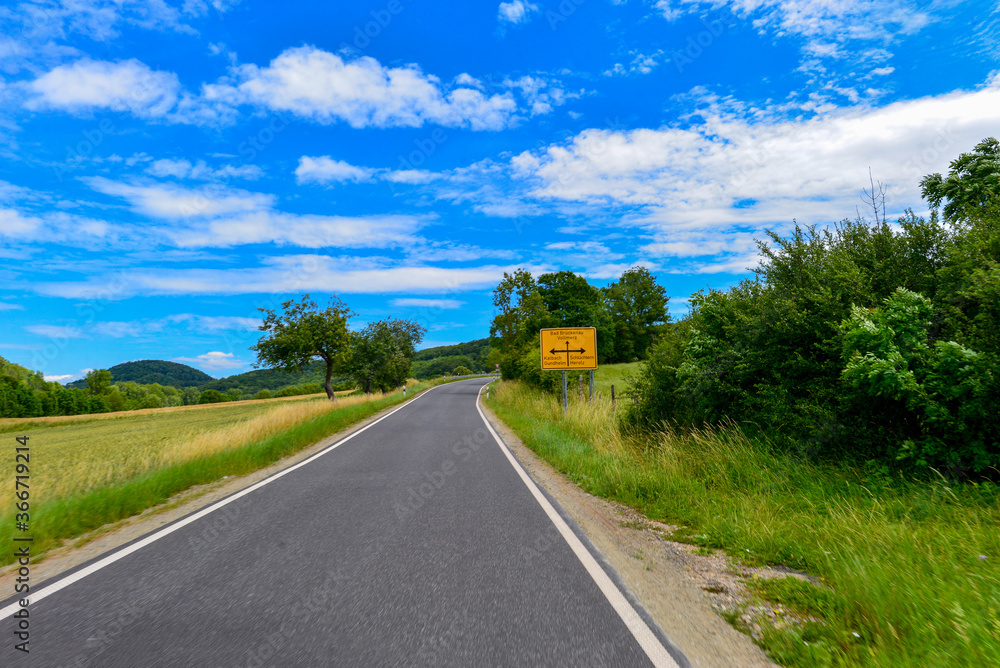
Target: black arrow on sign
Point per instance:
(567, 351)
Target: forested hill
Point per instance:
(146, 372)
(252, 382)
(444, 359)
(8, 368)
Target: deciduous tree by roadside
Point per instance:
(301, 333)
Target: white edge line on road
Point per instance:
(650, 644)
(47, 591)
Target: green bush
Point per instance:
(529, 369)
(212, 397)
(945, 391)
(874, 344)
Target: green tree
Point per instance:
(973, 182)
(520, 313)
(212, 397)
(303, 333)
(98, 381)
(519, 307)
(381, 353)
(190, 395)
(638, 308)
(573, 302)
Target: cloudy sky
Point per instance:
(169, 166)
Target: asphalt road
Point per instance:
(415, 542)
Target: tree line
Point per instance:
(629, 315)
(870, 342)
(35, 397)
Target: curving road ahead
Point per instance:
(416, 541)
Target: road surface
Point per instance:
(416, 541)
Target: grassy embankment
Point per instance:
(88, 471)
(910, 569)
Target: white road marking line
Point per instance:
(650, 644)
(47, 591)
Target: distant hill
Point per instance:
(252, 382)
(443, 359)
(427, 363)
(145, 372)
(8, 368)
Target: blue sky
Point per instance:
(166, 168)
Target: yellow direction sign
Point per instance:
(568, 349)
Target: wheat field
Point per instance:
(75, 454)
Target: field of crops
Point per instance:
(77, 453)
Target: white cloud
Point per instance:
(540, 94)
(323, 87)
(516, 11)
(428, 303)
(101, 20)
(183, 169)
(86, 85)
(412, 176)
(119, 330)
(172, 202)
(218, 216)
(840, 20)
(214, 361)
(291, 274)
(10, 307)
(304, 231)
(692, 243)
(56, 331)
(728, 170)
(613, 271)
(215, 323)
(60, 378)
(55, 227)
(641, 63)
(14, 224)
(324, 169)
(583, 252)
(203, 324)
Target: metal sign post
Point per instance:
(565, 398)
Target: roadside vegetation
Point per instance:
(836, 414)
(88, 471)
(908, 569)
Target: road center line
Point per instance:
(650, 644)
(48, 590)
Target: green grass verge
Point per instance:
(618, 375)
(910, 569)
(65, 518)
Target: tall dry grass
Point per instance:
(270, 423)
